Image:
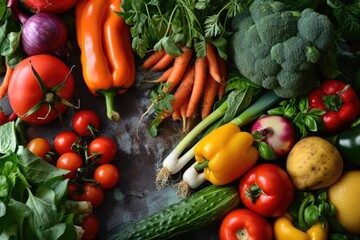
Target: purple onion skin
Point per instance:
(277, 131)
(44, 33)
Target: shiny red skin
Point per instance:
(244, 220)
(52, 6)
(277, 190)
(349, 111)
(24, 90)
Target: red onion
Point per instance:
(44, 33)
(275, 131)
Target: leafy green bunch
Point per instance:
(167, 24)
(10, 38)
(33, 202)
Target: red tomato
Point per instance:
(25, 92)
(64, 141)
(40, 147)
(93, 194)
(91, 226)
(73, 191)
(55, 6)
(244, 222)
(85, 121)
(267, 190)
(105, 147)
(107, 175)
(69, 161)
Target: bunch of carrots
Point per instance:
(195, 83)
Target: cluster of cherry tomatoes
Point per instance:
(88, 157)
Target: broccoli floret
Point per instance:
(317, 29)
(261, 8)
(244, 19)
(277, 27)
(295, 83)
(281, 49)
(295, 54)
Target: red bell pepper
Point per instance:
(267, 190)
(339, 101)
(245, 224)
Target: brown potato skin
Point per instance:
(314, 163)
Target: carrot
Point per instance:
(163, 63)
(223, 74)
(212, 62)
(153, 59)
(179, 67)
(200, 76)
(183, 109)
(5, 84)
(176, 115)
(163, 77)
(210, 93)
(183, 92)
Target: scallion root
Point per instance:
(162, 177)
(183, 189)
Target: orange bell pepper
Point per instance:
(106, 56)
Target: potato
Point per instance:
(314, 163)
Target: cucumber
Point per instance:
(203, 208)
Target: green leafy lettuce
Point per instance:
(32, 194)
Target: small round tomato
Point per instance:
(73, 191)
(40, 147)
(103, 149)
(64, 141)
(69, 161)
(93, 194)
(85, 122)
(40, 104)
(107, 175)
(245, 224)
(91, 226)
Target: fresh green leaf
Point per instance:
(21, 213)
(310, 123)
(8, 137)
(45, 214)
(265, 151)
(36, 170)
(4, 188)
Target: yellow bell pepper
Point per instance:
(285, 230)
(225, 154)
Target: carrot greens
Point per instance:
(166, 24)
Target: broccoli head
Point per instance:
(317, 29)
(280, 49)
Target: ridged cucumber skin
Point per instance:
(203, 208)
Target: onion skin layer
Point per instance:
(44, 33)
(277, 132)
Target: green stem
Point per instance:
(268, 99)
(109, 95)
(20, 129)
(200, 166)
(215, 115)
(304, 204)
